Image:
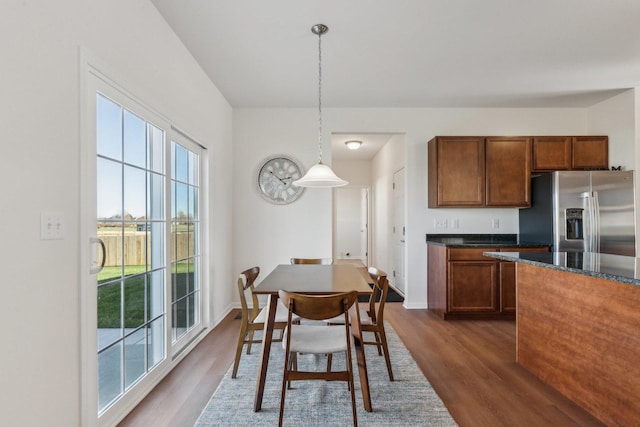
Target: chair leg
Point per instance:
(329, 359)
(352, 390)
(236, 363)
(285, 381)
(378, 342)
(385, 347)
(250, 341)
(293, 362)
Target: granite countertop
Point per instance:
(480, 241)
(617, 268)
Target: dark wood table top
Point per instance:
(319, 279)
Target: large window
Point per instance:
(148, 190)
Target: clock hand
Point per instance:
(279, 179)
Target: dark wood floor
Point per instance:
(470, 364)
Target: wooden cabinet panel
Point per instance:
(472, 286)
(508, 279)
(508, 171)
(551, 153)
(456, 171)
(590, 152)
(437, 278)
(508, 287)
(468, 254)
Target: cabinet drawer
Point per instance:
(470, 254)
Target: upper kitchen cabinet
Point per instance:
(590, 152)
(456, 172)
(552, 153)
(477, 171)
(508, 171)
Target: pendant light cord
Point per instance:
(320, 97)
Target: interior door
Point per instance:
(399, 231)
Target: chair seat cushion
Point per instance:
(316, 339)
(281, 314)
(364, 318)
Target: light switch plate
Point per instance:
(51, 226)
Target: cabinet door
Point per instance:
(508, 171)
(551, 153)
(456, 171)
(472, 287)
(590, 152)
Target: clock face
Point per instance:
(275, 180)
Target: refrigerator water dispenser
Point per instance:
(573, 217)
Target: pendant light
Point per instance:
(320, 175)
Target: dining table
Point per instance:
(310, 279)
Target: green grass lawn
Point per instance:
(110, 295)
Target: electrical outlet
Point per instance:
(495, 223)
(440, 223)
(51, 226)
(454, 223)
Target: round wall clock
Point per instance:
(275, 179)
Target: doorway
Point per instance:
(399, 230)
(351, 231)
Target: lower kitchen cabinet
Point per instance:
(464, 284)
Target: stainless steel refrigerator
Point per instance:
(582, 211)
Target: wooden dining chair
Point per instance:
(325, 261)
(372, 317)
(253, 318)
(314, 339)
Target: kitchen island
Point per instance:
(578, 328)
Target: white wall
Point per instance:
(615, 117)
(260, 132)
(265, 234)
(357, 172)
(40, 171)
(386, 162)
(348, 227)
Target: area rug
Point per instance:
(408, 401)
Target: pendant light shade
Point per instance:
(320, 175)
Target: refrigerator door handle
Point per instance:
(596, 223)
(588, 222)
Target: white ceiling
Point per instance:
(413, 53)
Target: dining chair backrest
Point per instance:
(318, 307)
(380, 291)
(245, 281)
(325, 261)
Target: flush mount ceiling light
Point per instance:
(353, 144)
(320, 175)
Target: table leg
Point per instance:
(267, 338)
